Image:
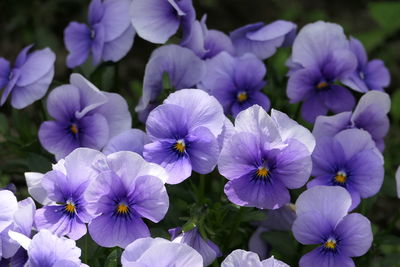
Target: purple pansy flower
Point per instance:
(130, 140)
(183, 68)
(30, 77)
(322, 50)
(47, 249)
(372, 75)
(263, 40)
(207, 249)
(236, 82)
(157, 20)
(242, 258)
(8, 207)
(323, 220)
(184, 133)
(109, 36)
(84, 117)
(128, 189)
(370, 114)
(207, 43)
(264, 158)
(146, 252)
(65, 186)
(349, 159)
(277, 220)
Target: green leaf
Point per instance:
(3, 125)
(113, 258)
(386, 14)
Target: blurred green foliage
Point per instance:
(200, 200)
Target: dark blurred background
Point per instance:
(42, 22)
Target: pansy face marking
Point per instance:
(74, 128)
(330, 244)
(242, 96)
(322, 85)
(180, 146)
(122, 209)
(340, 177)
(262, 172)
(70, 208)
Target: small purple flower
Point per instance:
(109, 36)
(277, 220)
(370, 114)
(372, 75)
(29, 79)
(207, 249)
(157, 20)
(184, 133)
(263, 40)
(126, 190)
(236, 82)
(65, 186)
(46, 249)
(322, 50)
(130, 140)
(323, 220)
(242, 258)
(264, 158)
(207, 43)
(349, 159)
(148, 251)
(183, 68)
(84, 117)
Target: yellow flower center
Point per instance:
(340, 177)
(70, 207)
(262, 172)
(322, 85)
(180, 146)
(74, 128)
(242, 96)
(330, 244)
(122, 209)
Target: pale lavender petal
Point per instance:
(94, 131)
(97, 43)
(326, 126)
(319, 258)
(63, 102)
(118, 48)
(78, 42)
(130, 140)
(35, 188)
(377, 75)
(116, 18)
(8, 206)
(312, 108)
(242, 258)
(311, 228)
(354, 141)
(4, 72)
(96, 11)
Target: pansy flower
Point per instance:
(263, 40)
(207, 249)
(146, 252)
(184, 131)
(236, 82)
(242, 258)
(370, 114)
(84, 117)
(180, 65)
(207, 43)
(322, 50)
(47, 249)
(126, 190)
(264, 158)
(349, 159)
(29, 78)
(109, 36)
(323, 220)
(369, 75)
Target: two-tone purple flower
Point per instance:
(369, 75)
(66, 212)
(109, 36)
(184, 131)
(207, 249)
(263, 40)
(157, 20)
(207, 43)
(29, 78)
(47, 249)
(242, 258)
(370, 114)
(147, 252)
(323, 220)
(322, 58)
(182, 68)
(351, 160)
(236, 82)
(264, 158)
(84, 117)
(126, 190)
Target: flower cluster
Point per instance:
(114, 183)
